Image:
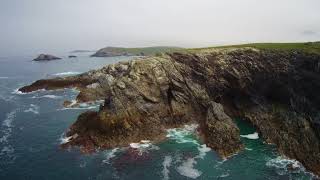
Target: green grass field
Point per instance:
(311, 47)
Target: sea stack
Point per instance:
(46, 57)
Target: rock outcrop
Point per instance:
(277, 91)
(46, 57)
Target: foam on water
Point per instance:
(281, 164)
(6, 131)
(110, 154)
(2, 77)
(203, 149)
(144, 146)
(67, 73)
(224, 175)
(65, 139)
(251, 136)
(7, 126)
(166, 165)
(33, 108)
(47, 96)
(16, 91)
(182, 135)
(187, 169)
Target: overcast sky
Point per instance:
(57, 26)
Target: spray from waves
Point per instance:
(166, 165)
(67, 73)
(33, 108)
(251, 136)
(7, 150)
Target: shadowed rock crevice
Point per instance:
(277, 91)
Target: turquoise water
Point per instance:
(32, 127)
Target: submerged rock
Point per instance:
(46, 57)
(277, 91)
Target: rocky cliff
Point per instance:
(277, 91)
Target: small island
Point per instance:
(46, 57)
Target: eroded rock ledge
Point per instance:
(278, 91)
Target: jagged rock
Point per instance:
(46, 57)
(277, 91)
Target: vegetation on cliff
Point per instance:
(145, 51)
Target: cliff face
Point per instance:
(277, 91)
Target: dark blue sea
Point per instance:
(32, 128)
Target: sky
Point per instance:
(60, 26)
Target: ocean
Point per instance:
(32, 127)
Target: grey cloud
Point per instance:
(33, 26)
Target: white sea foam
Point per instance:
(2, 77)
(7, 126)
(92, 105)
(65, 139)
(224, 175)
(281, 164)
(251, 136)
(166, 165)
(144, 146)
(67, 73)
(203, 149)
(110, 154)
(16, 91)
(187, 169)
(182, 135)
(6, 131)
(33, 108)
(47, 96)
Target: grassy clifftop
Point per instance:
(311, 47)
(145, 51)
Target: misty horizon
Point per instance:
(32, 27)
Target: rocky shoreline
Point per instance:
(277, 91)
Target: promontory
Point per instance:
(273, 86)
